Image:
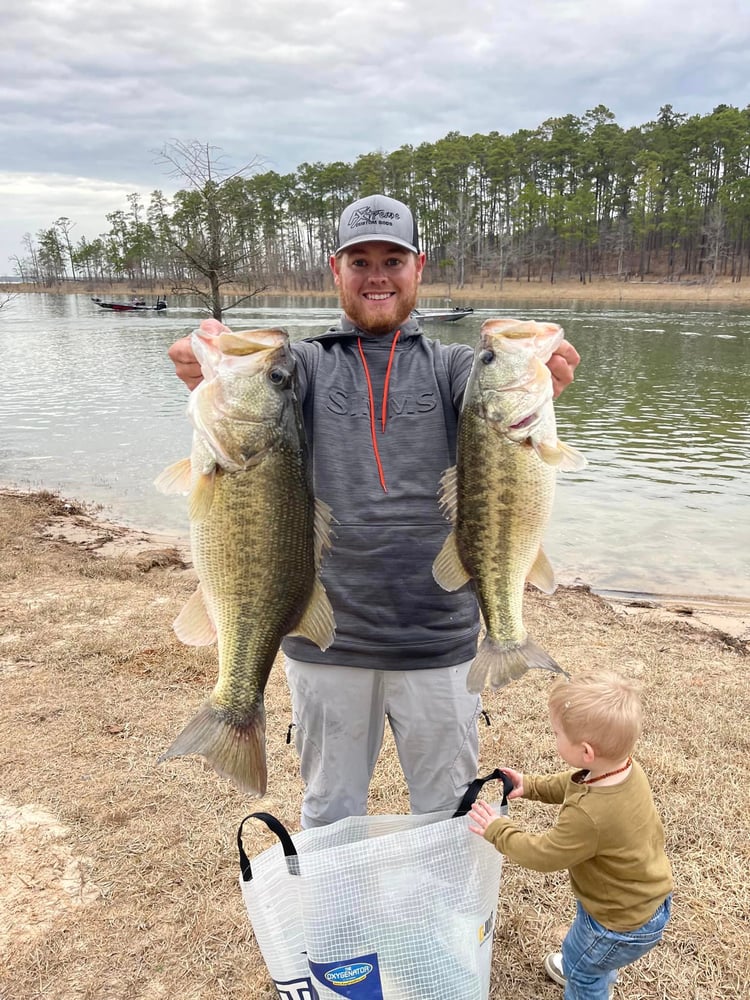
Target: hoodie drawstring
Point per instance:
(384, 409)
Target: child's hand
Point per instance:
(517, 778)
(481, 815)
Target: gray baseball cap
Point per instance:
(377, 218)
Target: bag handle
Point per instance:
(476, 786)
(290, 851)
(275, 826)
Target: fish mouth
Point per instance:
(521, 337)
(249, 342)
(524, 422)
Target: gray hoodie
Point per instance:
(382, 485)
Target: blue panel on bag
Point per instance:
(358, 979)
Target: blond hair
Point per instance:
(602, 709)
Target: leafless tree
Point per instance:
(207, 245)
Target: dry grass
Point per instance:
(121, 874)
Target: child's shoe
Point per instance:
(554, 969)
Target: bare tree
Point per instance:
(64, 227)
(205, 241)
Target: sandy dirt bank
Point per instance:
(120, 874)
(722, 293)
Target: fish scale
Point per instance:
(239, 573)
(498, 539)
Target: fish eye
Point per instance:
(278, 376)
(487, 357)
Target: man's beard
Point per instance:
(357, 311)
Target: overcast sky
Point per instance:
(90, 91)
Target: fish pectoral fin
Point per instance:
(562, 456)
(202, 496)
(176, 478)
(448, 570)
(194, 625)
(322, 530)
(448, 493)
(541, 575)
(317, 623)
(573, 460)
(549, 451)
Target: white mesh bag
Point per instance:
(377, 907)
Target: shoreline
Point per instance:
(723, 292)
(79, 523)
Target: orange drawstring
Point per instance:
(384, 410)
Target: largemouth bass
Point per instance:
(258, 536)
(499, 495)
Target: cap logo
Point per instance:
(372, 217)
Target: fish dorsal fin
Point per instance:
(194, 625)
(317, 622)
(176, 478)
(448, 570)
(323, 530)
(541, 574)
(202, 496)
(562, 456)
(448, 493)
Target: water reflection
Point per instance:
(660, 407)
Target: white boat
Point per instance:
(443, 315)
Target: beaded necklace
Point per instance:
(609, 774)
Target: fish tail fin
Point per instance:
(235, 750)
(503, 662)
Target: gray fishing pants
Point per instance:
(339, 716)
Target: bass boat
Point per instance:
(136, 305)
(443, 315)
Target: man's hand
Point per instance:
(562, 366)
(185, 364)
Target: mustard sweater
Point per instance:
(610, 839)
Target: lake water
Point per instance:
(91, 408)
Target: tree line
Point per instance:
(577, 196)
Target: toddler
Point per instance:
(608, 834)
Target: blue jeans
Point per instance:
(592, 954)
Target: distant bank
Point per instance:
(723, 292)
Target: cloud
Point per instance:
(35, 201)
(91, 90)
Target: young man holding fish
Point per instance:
(380, 403)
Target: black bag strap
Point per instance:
(476, 786)
(275, 826)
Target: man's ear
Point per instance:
(334, 265)
(421, 258)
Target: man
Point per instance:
(381, 403)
